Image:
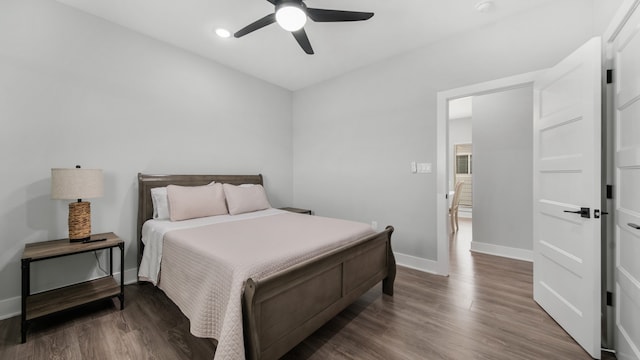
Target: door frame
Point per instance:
(442, 135)
(619, 20)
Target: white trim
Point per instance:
(442, 131)
(619, 20)
(413, 262)
(130, 276)
(503, 251)
(616, 333)
(492, 86)
(12, 306)
(442, 186)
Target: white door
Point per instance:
(566, 177)
(627, 184)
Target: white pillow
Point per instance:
(190, 202)
(244, 199)
(160, 203)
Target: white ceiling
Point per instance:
(273, 55)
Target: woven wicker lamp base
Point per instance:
(79, 221)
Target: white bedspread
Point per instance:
(153, 234)
(204, 267)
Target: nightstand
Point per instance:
(53, 301)
(296, 210)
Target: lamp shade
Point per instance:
(67, 184)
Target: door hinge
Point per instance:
(609, 76)
(609, 298)
(609, 191)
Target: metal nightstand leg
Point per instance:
(26, 289)
(121, 296)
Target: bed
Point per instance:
(280, 309)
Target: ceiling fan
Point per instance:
(291, 15)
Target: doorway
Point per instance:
(460, 162)
(445, 171)
(460, 159)
(463, 174)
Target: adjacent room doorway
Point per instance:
(552, 91)
(484, 93)
(460, 160)
(463, 173)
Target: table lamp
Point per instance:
(78, 183)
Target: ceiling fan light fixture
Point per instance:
(291, 17)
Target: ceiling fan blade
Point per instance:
(303, 40)
(324, 15)
(258, 24)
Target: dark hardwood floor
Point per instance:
(483, 310)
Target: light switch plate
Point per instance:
(424, 168)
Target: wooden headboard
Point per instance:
(147, 182)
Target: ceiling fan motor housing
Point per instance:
(297, 3)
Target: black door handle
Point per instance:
(635, 226)
(584, 212)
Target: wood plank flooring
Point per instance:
(483, 310)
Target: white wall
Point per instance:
(354, 136)
(75, 89)
(604, 11)
(503, 172)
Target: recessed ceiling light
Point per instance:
(485, 6)
(223, 33)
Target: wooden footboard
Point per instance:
(283, 309)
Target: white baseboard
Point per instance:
(503, 251)
(130, 276)
(10, 307)
(413, 262)
(13, 306)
